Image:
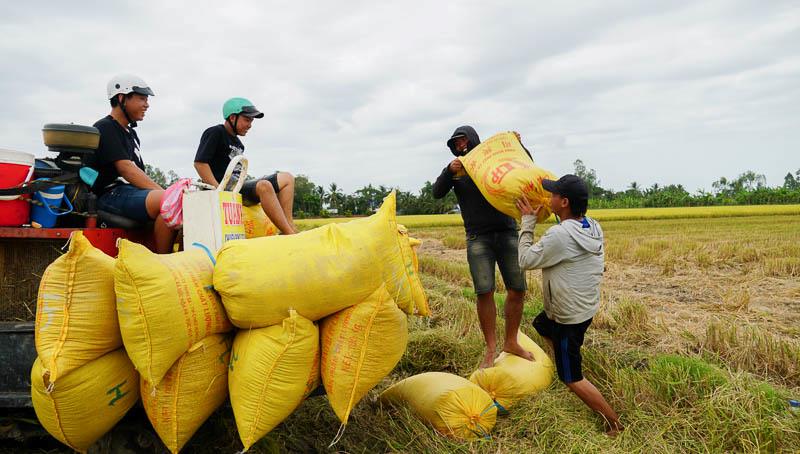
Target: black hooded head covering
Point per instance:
(472, 139)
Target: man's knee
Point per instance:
(264, 188)
(285, 179)
(153, 202)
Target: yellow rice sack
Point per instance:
(190, 392)
(76, 311)
(88, 402)
(256, 223)
(504, 173)
(453, 405)
(165, 304)
(317, 272)
(272, 370)
(408, 248)
(512, 378)
(360, 346)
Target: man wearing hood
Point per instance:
(491, 239)
(571, 257)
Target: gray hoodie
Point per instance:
(570, 255)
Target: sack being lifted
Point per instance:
(76, 310)
(504, 173)
(318, 272)
(165, 304)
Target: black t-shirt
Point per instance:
(217, 148)
(116, 144)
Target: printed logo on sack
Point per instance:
(118, 394)
(232, 213)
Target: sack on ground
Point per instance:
(360, 346)
(512, 378)
(272, 370)
(256, 222)
(195, 386)
(317, 272)
(504, 173)
(165, 304)
(88, 402)
(453, 405)
(76, 312)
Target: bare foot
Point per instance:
(515, 349)
(488, 360)
(615, 429)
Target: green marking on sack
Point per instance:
(118, 394)
(234, 358)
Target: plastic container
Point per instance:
(16, 168)
(51, 200)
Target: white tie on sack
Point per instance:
(214, 216)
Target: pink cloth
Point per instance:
(172, 203)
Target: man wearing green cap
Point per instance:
(219, 144)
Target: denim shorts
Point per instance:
(249, 195)
(127, 201)
(486, 250)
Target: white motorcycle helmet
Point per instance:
(122, 84)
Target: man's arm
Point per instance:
(444, 182)
(204, 170)
(134, 175)
(519, 138)
(547, 252)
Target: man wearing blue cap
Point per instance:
(572, 259)
(219, 144)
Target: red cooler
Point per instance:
(15, 168)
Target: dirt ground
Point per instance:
(688, 295)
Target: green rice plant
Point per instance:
(681, 380)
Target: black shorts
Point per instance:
(567, 342)
(249, 195)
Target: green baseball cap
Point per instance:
(240, 106)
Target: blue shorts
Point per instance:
(486, 250)
(126, 200)
(567, 342)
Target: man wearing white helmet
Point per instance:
(122, 186)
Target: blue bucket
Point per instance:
(50, 208)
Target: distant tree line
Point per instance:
(749, 188)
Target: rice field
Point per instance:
(621, 214)
(696, 345)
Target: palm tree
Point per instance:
(334, 195)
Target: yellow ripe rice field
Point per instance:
(620, 214)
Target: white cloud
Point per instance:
(365, 92)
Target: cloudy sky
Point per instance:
(368, 92)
